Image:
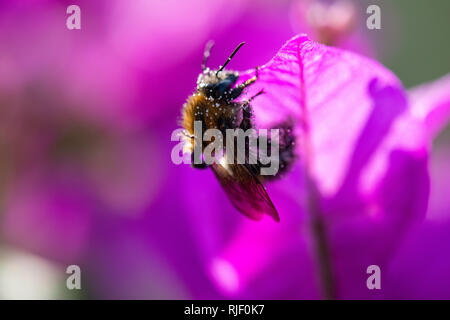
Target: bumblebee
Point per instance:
(214, 104)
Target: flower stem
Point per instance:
(320, 243)
(317, 223)
(318, 228)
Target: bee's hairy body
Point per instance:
(212, 114)
(213, 105)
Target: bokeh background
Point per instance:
(86, 118)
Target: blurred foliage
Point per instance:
(414, 42)
(416, 34)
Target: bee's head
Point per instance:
(216, 84)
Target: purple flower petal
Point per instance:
(333, 93)
(430, 103)
(364, 151)
(420, 267)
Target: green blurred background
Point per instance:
(414, 41)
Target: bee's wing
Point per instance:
(245, 191)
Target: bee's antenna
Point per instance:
(230, 57)
(207, 53)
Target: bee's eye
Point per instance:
(232, 78)
(209, 88)
(225, 85)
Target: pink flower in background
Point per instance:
(85, 127)
(335, 23)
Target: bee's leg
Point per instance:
(246, 117)
(247, 112)
(207, 53)
(246, 103)
(251, 80)
(201, 165)
(239, 89)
